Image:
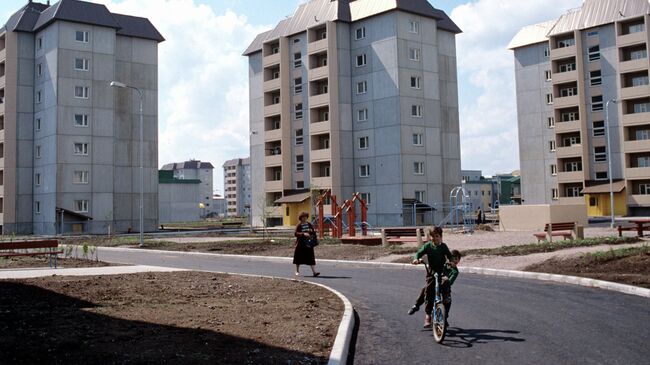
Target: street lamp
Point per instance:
(125, 86)
(609, 161)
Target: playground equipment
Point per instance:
(348, 207)
(461, 212)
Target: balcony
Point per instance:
(568, 152)
(318, 73)
(273, 160)
(322, 183)
(3, 54)
(638, 200)
(635, 92)
(635, 119)
(270, 60)
(273, 84)
(633, 65)
(320, 155)
(562, 77)
(563, 52)
(317, 46)
(319, 127)
(577, 200)
(570, 176)
(637, 173)
(567, 101)
(631, 39)
(273, 211)
(636, 146)
(563, 127)
(272, 135)
(319, 100)
(273, 109)
(275, 185)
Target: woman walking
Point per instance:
(304, 254)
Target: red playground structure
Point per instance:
(349, 207)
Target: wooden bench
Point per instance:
(567, 230)
(401, 235)
(26, 248)
(637, 228)
(232, 224)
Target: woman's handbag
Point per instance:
(311, 242)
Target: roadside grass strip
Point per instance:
(520, 250)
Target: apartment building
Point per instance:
(237, 187)
(195, 170)
(355, 96)
(68, 141)
(581, 79)
(185, 191)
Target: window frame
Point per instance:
(362, 112)
(414, 54)
(83, 150)
(364, 171)
(85, 64)
(85, 36)
(418, 168)
(81, 177)
(85, 92)
(416, 111)
(414, 27)
(361, 60)
(84, 120)
(600, 156)
(363, 142)
(362, 87)
(81, 206)
(418, 139)
(416, 82)
(360, 33)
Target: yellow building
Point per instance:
(598, 202)
(293, 205)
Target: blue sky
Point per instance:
(203, 79)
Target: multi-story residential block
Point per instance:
(68, 141)
(237, 187)
(355, 96)
(481, 191)
(580, 79)
(185, 191)
(195, 170)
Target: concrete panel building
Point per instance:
(237, 187)
(68, 141)
(583, 103)
(355, 96)
(195, 170)
(179, 199)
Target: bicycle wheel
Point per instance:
(438, 322)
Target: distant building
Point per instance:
(218, 207)
(68, 140)
(491, 192)
(179, 199)
(237, 187)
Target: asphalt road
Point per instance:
(493, 320)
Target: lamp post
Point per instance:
(609, 161)
(125, 86)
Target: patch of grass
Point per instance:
(519, 250)
(602, 257)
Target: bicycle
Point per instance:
(439, 314)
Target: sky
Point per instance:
(203, 78)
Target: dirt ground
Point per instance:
(20, 262)
(176, 318)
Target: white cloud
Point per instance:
(203, 80)
(488, 110)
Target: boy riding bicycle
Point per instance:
(437, 254)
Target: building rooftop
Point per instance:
(191, 164)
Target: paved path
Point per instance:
(494, 320)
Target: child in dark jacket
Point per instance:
(450, 273)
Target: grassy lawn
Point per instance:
(518, 250)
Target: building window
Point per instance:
(640, 107)
(596, 103)
(362, 87)
(644, 189)
(595, 78)
(566, 67)
(416, 111)
(415, 82)
(601, 175)
(551, 146)
(360, 33)
(366, 198)
(570, 116)
(567, 42)
(418, 168)
(363, 143)
(553, 170)
(362, 115)
(568, 91)
(640, 80)
(548, 75)
(643, 161)
(81, 36)
(594, 53)
(80, 177)
(572, 191)
(297, 40)
(642, 134)
(81, 149)
(592, 33)
(547, 52)
(37, 207)
(414, 27)
(37, 152)
(300, 165)
(39, 97)
(421, 196)
(39, 70)
(300, 185)
(298, 110)
(573, 166)
(81, 206)
(550, 121)
(364, 170)
(549, 99)
(638, 54)
(37, 179)
(81, 92)
(81, 64)
(39, 43)
(418, 139)
(600, 154)
(37, 124)
(361, 60)
(81, 120)
(297, 60)
(299, 139)
(554, 194)
(414, 54)
(297, 85)
(570, 141)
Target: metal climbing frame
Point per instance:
(461, 211)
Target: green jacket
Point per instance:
(451, 273)
(437, 255)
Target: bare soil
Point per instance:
(21, 262)
(177, 318)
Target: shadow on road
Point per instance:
(333, 277)
(466, 338)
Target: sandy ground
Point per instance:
(202, 239)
